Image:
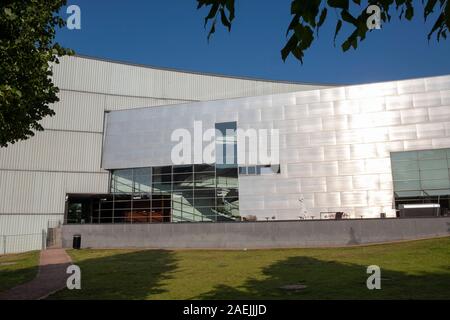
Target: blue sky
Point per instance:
(171, 34)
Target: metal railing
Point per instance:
(16, 243)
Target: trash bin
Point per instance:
(76, 241)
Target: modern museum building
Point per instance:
(133, 144)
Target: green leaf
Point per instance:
(341, 4)
(322, 18)
(338, 28)
(224, 19)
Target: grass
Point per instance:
(409, 270)
(19, 268)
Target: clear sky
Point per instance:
(171, 34)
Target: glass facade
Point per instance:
(422, 177)
(179, 193)
(421, 173)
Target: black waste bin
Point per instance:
(76, 241)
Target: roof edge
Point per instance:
(207, 73)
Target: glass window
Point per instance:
(182, 169)
(432, 154)
(433, 174)
(409, 155)
(435, 184)
(122, 181)
(406, 175)
(407, 185)
(162, 170)
(251, 170)
(405, 165)
(432, 164)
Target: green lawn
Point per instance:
(410, 270)
(16, 269)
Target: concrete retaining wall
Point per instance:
(256, 234)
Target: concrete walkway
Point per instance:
(51, 277)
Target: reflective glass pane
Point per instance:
(227, 178)
(407, 185)
(406, 175)
(432, 164)
(436, 184)
(182, 169)
(410, 155)
(405, 165)
(432, 154)
(434, 174)
(122, 181)
(204, 168)
(162, 170)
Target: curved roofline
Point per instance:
(206, 73)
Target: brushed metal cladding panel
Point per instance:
(423, 144)
(366, 182)
(349, 137)
(351, 167)
(332, 94)
(298, 140)
(411, 86)
(299, 169)
(437, 83)
(383, 197)
(310, 154)
(321, 109)
(348, 107)
(328, 199)
(403, 133)
(430, 130)
(309, 125)
(371, 90)
(375, 104)
(445, 97)
(439, 113)
(441, 142)
(414, 116)
(427, 99)
(324, 169)
(354, 198)
(380, 165)
(316, 184)
(338, 152)
(323, 138)
(339, 122)
(363, 151)
(399, 102)
(288, 186)
(295, 111)
(339, 183)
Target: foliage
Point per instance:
(27, 48)
(309, 15)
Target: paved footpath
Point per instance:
(51, 277)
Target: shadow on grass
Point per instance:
(131, 275)
(333, 280)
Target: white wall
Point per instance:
(335, 143)
(36, 174)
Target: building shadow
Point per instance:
(332, 280)
(132, 275)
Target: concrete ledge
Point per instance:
(274, 234)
